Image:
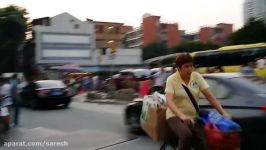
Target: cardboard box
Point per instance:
(155, 125)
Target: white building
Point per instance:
(64, 39)
(122, 59)
(255, 9)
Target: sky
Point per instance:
(189, 14)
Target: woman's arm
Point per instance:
(214, 102)
(174, 109)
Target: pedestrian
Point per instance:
(159, 80)
(5, 101)
(15, 98)
(181, 113)
(5, 92)
(144, 86)
(95, 82)
(248, 69)
(261, 63)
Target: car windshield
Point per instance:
(50, 84)
(253, 86)
(141, 73)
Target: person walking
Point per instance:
(181, 114)
(144, 86)
(5, 92)
(95, 82)
(15, 98)
(159, 80)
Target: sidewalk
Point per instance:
(82, 98)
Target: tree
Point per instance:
(253, 32)
(193, 46)
(13, 25)
(155, 49)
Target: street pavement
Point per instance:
(83, 126)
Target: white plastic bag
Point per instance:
(4, 111)
(160, 98)
(148, 101)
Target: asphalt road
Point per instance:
(83, 126)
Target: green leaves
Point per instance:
(193, 46)
(13, 25)
(155, 49)
(253, 32)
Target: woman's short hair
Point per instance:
(182, 59)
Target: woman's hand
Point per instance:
(214, 102)
(227, 115)
(186, 119)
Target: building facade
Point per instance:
(134, 38)
(152, 30)
(255, 9)
(106, 32)
(64, 39)
(217, 35)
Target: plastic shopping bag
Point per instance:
(160, 98)
(147, 103)
(222, 123)
(221, 133)
(4, 111)
(220, 140)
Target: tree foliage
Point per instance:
(253, 32)
(13, 25)
(155, 49)
(193, 46)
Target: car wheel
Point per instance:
(133, 122)
(66, 102)
(65, 105)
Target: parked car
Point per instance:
(243, 98)
(45, 92)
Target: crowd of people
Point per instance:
(81, 83)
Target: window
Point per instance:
(76, 26)
(71, 20)
(104, 51)
(99, 28)
(111, 29)
(117, 30)
(163, 26)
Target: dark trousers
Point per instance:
(188, 135)
(15, 113)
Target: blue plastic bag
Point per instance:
(222, 123)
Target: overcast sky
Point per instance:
(189, 14)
